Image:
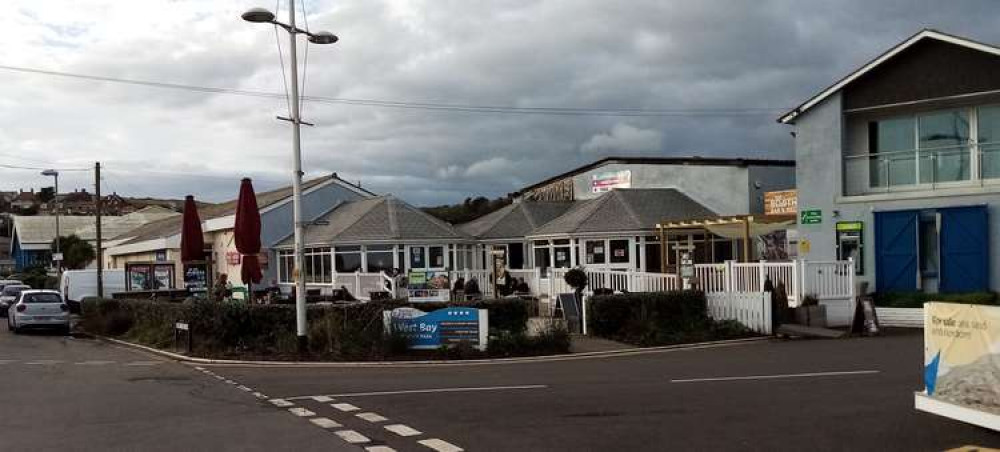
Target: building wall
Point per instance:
(762, 179)
(720, 188)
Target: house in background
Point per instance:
(898, 165)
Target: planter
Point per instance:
(811, 316)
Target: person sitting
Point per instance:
(472, 288)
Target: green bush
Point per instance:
(917, 299)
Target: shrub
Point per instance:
(651, 318)
(577, 279)
(552, 341)
(917, 299)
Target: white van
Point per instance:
(75, 285)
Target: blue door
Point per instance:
(896, 264)
(964, 249)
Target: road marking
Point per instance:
(322, 398)
(281, 403)
(344, 407)
(144, 363)
(43, 362)
(301, 412)
(230, 382)
(259, 395)
(403, 430)
(244, 388)
(380, 449)
(325, 422)
(772, 377)
(6, 361)
(352, 436)
(440, 446)
(425, 391)
(96, 362)
(200, 368)
(220, 377)
(372, 417)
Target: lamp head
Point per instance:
(323, 37)
(258, 15)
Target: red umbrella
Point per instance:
(247, 233)
(192, 242)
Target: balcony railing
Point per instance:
(921, 169)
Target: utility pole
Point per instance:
(97, 215)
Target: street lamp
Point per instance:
(261, 15)
(55, 200)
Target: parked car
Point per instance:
(8, 295)
(75, 285)
(6, 282)
(38, 309)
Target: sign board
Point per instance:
(566, 304)
(441, 328)
(811, 216)
(196, 277)
(58, 257)
(962, 362)
(785, 202)
(181, 326)
(687, 266)
(428, 286)
(233, 257)
(602, 182)
(161, 255)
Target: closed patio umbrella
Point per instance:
(247, 233)
(192, 241)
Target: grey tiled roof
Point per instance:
(624, 210)
(516, 220)
(384, 218)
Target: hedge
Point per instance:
(917, 299)
(336, 332)
(658, 318)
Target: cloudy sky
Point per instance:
(719, 72)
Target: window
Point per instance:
(989, 142)
(542, 259)
(418, 258)
(926, 149)
(619, 251)
(378, 258)
(317, 266)
(945, 137)
(436, 254)
(893, 141)
(595, 251)
(562, 254)
(286, 265)
(42, 298)
(347, 259)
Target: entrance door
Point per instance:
(896, 263)
(964, 249)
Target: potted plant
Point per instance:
(577, 279)
(810, 312)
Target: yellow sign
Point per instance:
(962, 355)
(804, 246)
(785, 202)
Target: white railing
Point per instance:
(616, 280)
(827, 280)
(900, 317)
(483, 279)
(751, 309)
(361, 285)
(531, 277)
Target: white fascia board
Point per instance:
(790, 116)
(220, 223)
(146, 246)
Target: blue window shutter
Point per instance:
(964, 249)
(896, 263)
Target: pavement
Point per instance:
(849, 394)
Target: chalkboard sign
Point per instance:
(567, 304)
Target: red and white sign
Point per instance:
(602, 182)
(233, 257)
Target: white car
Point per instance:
(8, 295)
(38, 309)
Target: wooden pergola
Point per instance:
(746, 221)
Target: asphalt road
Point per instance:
(64, 394)
(854, 394)
(74, 394)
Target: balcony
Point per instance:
(922, 169)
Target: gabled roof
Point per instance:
(172, 226)
(380, 219)
(789, 118)
(625, 210)
(516, 220)
(41, 229)
(124, 224)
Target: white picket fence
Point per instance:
(826, 280)
(900, 317)
(751, 309)
(361, 285)
(615, 280)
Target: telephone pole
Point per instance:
(97, 215)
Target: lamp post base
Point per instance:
(303, 345)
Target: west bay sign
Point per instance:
(440, 328)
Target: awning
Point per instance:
(733, 227)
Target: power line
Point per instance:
(39, 168)
(431, 106)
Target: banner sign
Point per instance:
(444, 327)
(962, 363)
(785, 202)
(196, 277)
(428, 286)
(602, 182)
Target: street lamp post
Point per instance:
(261, 15)
(55, 201)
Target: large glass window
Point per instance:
(595, 252)
(542, 259)
(317, 266)
(989, 141)
(893, 141)
(286, 265)
(418, 258)
(619, 251)
(347, 259)
(944, 154)
(378, 258)
(436, 256)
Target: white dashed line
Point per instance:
(259, 395)
(428, 391)
(43, 362)
(380, 449)
(403, 430)
(772, 377)
(244, 388)
(353, 437)
(322, 398)
(281, 403)
(440, 446)
(231, 382)
(325, 422)
(199, 368)
(372, 417)
(220, 377)
(144, 363)
(301, 412)
(94, 363)
(345, 407)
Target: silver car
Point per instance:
(7, 282)
(8, 295)
(38, 309)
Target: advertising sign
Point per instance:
(785, 202)
(195, 277)
(233, 257)
(444, 327)
(962, 363)
(602, 182)
(428, 286)
(811, 216)
(137, 276)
